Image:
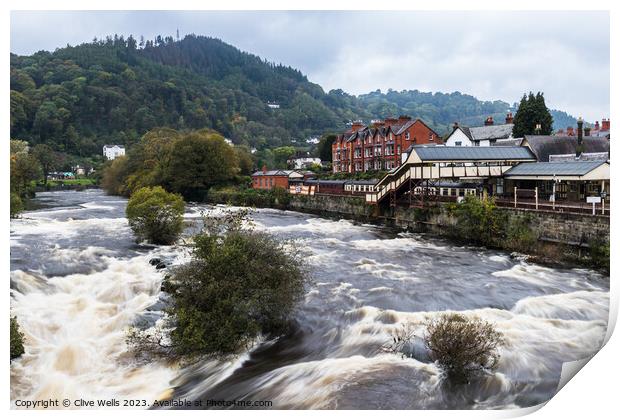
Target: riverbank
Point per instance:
(545, 237)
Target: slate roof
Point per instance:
(553, 168)
(457, 153)
(326, 181)
(362, 182)
(509, 142)
(543, 146)
(487, 132)
(277, 172)
(491, 132)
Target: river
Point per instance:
(78, 281)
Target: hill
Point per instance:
(78, 98)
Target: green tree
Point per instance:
(114, 178)
(325, 147)
(281, 155)
(24, 169)
(155, 215)
(48, 159)
(532, 117)
(199, 161)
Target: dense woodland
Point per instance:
(76, 99)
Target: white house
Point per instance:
(112, 151)
(273, 105)
(303, 162)
(485, 135)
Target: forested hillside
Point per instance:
(113, 91)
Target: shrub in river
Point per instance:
(17, 339)
(155, 215)
(240, 284)
(463, 346)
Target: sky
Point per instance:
(491, 55)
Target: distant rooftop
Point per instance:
(458, 153)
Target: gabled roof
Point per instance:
(553, 168)
(474, 153)
(543, 146)
(491, 132)
(401, 129)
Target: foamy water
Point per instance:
(89, 282)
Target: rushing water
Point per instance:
(78, 282)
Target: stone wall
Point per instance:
(563, 228)
(351, 206)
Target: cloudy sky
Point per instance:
(491, 55)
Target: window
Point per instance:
(377, 165)
(430, 136)
(398, 149)
(458, 143)
(407, 136)
(368, 152)
(389, 149)
(377, 150)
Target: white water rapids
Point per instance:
(78, 282)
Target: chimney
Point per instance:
(390, 121)
(605, 125)
(264, 169)
(509, 118)
(596, 126)
(455, 126)
(356, 125)
(579, 149)
(488, 121)
(586, 131)
(570, 131)
(403, 119)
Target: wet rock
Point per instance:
(160, 266)
(146, 319)
(155, 261)
(163, 301)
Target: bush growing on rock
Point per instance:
(155, 215)
(239, 285)
(463, 346)
(17, 339)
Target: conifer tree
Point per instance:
(533, 116)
